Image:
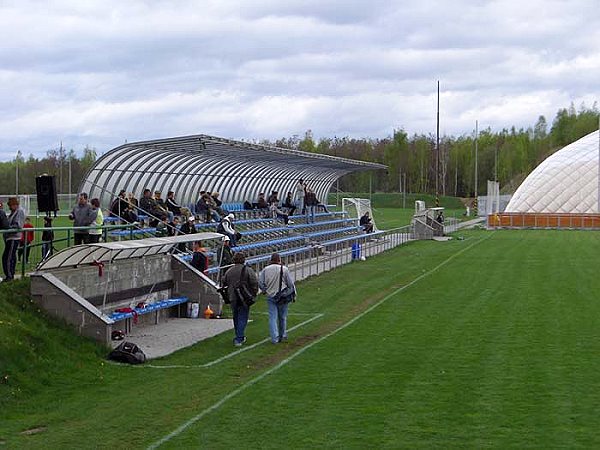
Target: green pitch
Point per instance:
(490, 341)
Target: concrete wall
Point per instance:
(64, 292)
(120, 276)
(67, 306)
(190, 285)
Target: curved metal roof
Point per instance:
(237, 170)
(113, 251)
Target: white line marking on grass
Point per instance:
(232, 354)
(290, 358)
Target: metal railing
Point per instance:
(31, 254)
(323, 257)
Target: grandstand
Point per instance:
(156, 272)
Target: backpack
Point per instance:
(128, 353)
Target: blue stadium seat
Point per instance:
(156, 306)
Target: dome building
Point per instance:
(565, 182)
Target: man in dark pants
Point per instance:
(239, 309)
(15, 220)
(83, 215)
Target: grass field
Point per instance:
(490, 341)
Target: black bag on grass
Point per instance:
(128, 353)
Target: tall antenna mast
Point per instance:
(437, 149)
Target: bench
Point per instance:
(321, 224)
(262, 258)
(137, 232)
(269, 243)
(152, 307)
(351, 238)
(318, 234)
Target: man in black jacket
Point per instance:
(237, 275)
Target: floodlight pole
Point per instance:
(476, 206)
(476, 153)
(70, 160)
(17, 172)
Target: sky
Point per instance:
(100, 73)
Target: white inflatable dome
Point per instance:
(565, 182)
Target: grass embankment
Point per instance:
(497, 348)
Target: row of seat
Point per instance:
(156, 306)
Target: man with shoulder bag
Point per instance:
(276, 281)
(242, 287)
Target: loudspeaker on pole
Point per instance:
(47, 198)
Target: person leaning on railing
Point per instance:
(16, 220)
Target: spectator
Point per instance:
(366, 223)
(15, 220)
(202, 207)
(270, 279)
(149, 206)
(173, 228)
(199, 257)
(162, 228)
(3, 225)
(212, 208)
(47, 238)
(123, 209)
(96, 233)
(300, 192)
(176, 208)
(226, 256)
(277, 213)
(227, 228)
(119, 205)
(132, 201)
(205, 208)
(26, 241)
(162, 206)
(440, 218)
(321, 205)
(235, 276)
(273, 198)
(188, 227)
(83, 215)
(3, 218)
(289, 204)
(261, 202)
(310, 204)
(219, 204)
(132, 211)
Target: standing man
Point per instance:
(83, 215)
(269, 280)
(16, 220)
(310, 204)
(237, 275)
(300, 191)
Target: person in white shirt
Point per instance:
(271, 280)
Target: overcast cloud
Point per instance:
(99, 73)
